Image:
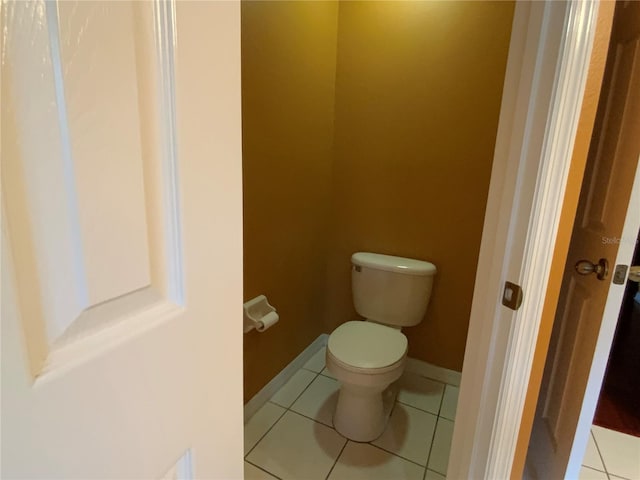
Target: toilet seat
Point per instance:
(366, 346)
(364, 371)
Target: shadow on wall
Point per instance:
(374, 136)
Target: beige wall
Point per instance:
(418, 92)
(417, 88)
(288, 72)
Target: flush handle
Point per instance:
(601, 269)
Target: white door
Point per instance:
(604, 228)
(121, 240)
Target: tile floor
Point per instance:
(292, 436)
(611, 455)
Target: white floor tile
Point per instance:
(591, 456)
(439, 457)
(325, 371)
(587, 473)
(420, 392)
(449, 402)
(319, 400)
(431, 475)
(293, 388)
(408, 433)
(254, 473)
(258, 425)
(620, 452)
(316, 363)
(360, 461)
(298, 448)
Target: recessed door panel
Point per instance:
(99, 83)
(93, 200)
(576, 308)
(617, 121)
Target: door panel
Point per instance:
(616, 118)
(600, 220)
(100, 100)
(82, 206)
(121, 240)
(577, 307)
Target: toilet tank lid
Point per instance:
(409, 266)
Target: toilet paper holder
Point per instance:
(258, 314)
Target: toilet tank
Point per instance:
(391, 290)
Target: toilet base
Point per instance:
(362, 412)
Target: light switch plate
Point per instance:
(512, 295)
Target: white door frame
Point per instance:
(545, 79)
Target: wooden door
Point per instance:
(121, 240)
(598, 231)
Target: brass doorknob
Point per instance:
(634, 273)
(601, 269)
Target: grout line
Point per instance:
(327, 376)
(433, 437)
(441, 400)
(316, 352)
(337, 458)
(428, 378)
(433, 380)
(265, 433)
(418, 408)
(317, 421)
(312, 371)
(300, 394)
(591, 468)
(604, 465)
(260, 468)
(396, 455)
(304, 390)
(434, 471)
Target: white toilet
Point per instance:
(368, 356)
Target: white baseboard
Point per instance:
(434, 372)
(263, 396)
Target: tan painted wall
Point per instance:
(417, 88)
(288, 73)
(418, 92)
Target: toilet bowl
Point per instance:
(366, 370)
(368, 356)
